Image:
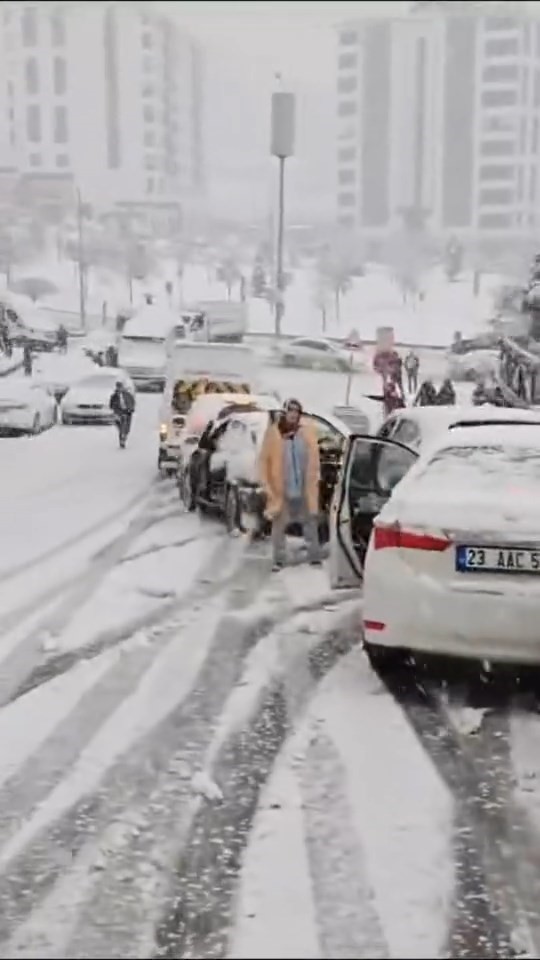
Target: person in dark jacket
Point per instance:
(412, 368)
(62, 338)
(111, 356)
(480, 394)
(28, 359)
(446, 396)
(427, 395)
(122, 405)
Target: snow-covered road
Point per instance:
(197, 760)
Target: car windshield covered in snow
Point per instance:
(100, 381)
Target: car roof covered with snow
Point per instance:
(432, 421)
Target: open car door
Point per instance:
(371, 468)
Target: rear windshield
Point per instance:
(487, 464)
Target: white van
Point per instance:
(218, 321)
(143, 346)
(194, 369)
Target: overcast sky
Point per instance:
(297, 38)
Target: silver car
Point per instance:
(316, 354)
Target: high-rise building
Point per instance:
(103, 96)
(439, 120)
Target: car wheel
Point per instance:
(232, 510)
(344, 366)
(386, 659)
(288, 361)
(186, 492)
(54, 417)
(66, 420)
(36, 425)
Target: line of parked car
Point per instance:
(435, 513)
(29, 406)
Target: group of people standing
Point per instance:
(394, 391)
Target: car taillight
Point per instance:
(393, 535)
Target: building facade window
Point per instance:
(346, 177)
(346, 199)
(495, 221)
(348, 38)
(501, 48)
(58, 28)
(147, 41)
(497, 148)
(62, 160)
(497, 171)
(347, 61)
(496, 197)
(347, 108)
(347, 154)
(500, 72)
(33, 123)
(34, 159)
(29, 27)
(537, 88)
(31, 76)
(501, 23)
(149, 113)
(499, 98)
(149, 138)
(506, 123)
(60, 76)
(60, 125)
(347, 84)
(532, 185)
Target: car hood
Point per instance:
(88, 396)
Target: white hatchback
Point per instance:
(25, 407)
(450, 560)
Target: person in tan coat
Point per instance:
(289, 471)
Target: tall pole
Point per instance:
(282, 146)
(280, 285)
(80, 257)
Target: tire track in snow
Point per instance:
(487, 915)
(130, 781)
(76, 539)
(197, 916)
(20, 673)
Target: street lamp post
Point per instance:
(282, 146)
(80, 257)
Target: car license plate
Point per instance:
(476, 559)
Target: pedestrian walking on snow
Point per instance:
(412, 369)
(289, 470)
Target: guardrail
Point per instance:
(94, 321)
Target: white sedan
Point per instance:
(87, 401)
(25, 407)
(56, 372)
(453, 560)
(318, 354)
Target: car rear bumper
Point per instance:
(491, 623)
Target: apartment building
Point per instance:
(104, 97)
(438, 122)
